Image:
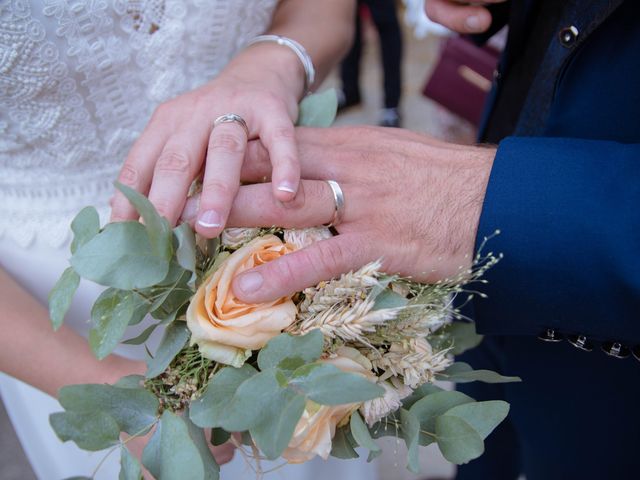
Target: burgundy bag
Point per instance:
(462, 78)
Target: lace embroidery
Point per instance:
(79, 80)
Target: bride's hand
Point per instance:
(409, 199)
(262, 85)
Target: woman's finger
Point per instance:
(278, 136)
(137, 170)
(175, 170)
(458, 17)
(225, 154)
(303, 268)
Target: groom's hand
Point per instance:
(411, 200)
(461, 16)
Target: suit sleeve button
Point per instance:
(615, 349)
(568, 36)
(581, 342)
(550, 335)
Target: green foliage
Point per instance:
(186, 250)
(93, 431)
(344, 445)
(389, 299)
(133, 409)
(431, 407)
(160, 234)
(180, 458)
(289, 352)
(361, 433)
(130, 468)
(85, 226)
(210, 409)
(175, 338)
(484, 417)
(328, 385)
(419, 393)
(458, 441)
(463, 336)
(219, 436)
(121, 256)
(143, 337)
(318, 110)
(61, 296)
(110, 316)
(410, 432)
(211, 468)
(461, 372)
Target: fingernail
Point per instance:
(473, 23)
(210, 219)
(250, 282)
(286, 187)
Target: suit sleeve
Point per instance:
(569, 215)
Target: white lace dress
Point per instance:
(79, 80)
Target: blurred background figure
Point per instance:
(384, 16)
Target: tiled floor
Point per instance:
(419, 114)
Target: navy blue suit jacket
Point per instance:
(565, 193)
(565, 188)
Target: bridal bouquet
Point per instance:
(321, 372)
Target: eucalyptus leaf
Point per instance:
(121, 257)
(130, 381)
(483, 416)
(458, 441)
(389, 299)
(211, 468)
(464, 336)
(431, 407)
(110, 317)
(175, 338)
(461, 372)
(160, 234)
(273, 433)
(180, 458)
(134, 409)
(91, 431)
(328, 385)
(85, 226)
(186, 251)
(318, 110)
(130, 468)
(173, 297)
(151, 454)
(61, 296)
(208, 411)
(144, 335)
(419, 393)
(343, 445)
(297, 350)
(361, 433)
(410, 432)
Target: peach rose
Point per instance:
(226, 329)
(317, 426)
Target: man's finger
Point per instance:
(457, 17)
(255, 206)
(301, 269)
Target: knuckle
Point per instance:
(218, 188)
(227, 142)
(283, 133)
(330, 257)
(129, 175)
(174, 162)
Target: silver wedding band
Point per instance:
(338, 199)
(232, 118)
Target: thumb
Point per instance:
(296, 271)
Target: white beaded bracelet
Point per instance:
(299, 50)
